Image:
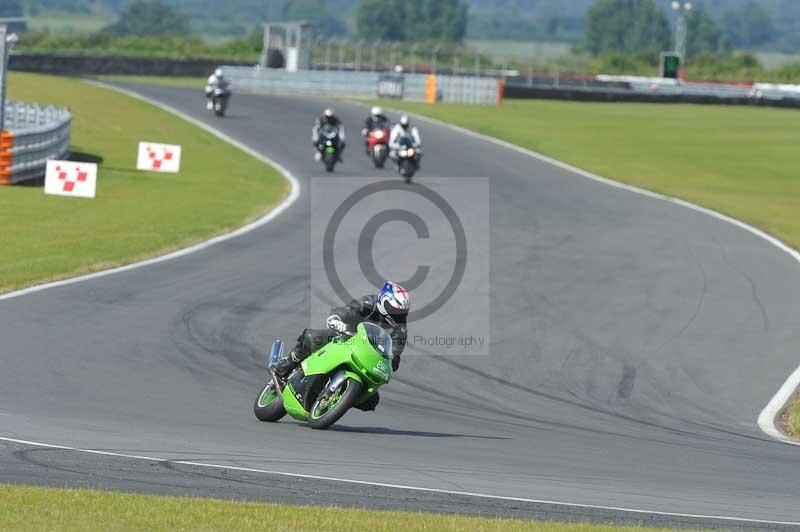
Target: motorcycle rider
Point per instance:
(375, 120)
(402, 130)
(215, 81)
(389, 309)
(328, 118)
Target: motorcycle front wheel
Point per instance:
(269, 404)
(330, 161)
(406, 170)
(329, 408)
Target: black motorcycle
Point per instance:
(407, 158)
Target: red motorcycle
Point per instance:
(378, 145)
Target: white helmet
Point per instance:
(376, 111)
(404, 121)
(328, 112)
(218, 73)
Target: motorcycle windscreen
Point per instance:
(329, 132)
(406, 142)
(379, 339)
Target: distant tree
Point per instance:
(703, 36)
(749, 26)
(412, 20)
(626, 26)
(436, 20)
(150, 18)
(315, 11)
(381, 19)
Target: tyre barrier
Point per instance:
(34, 135)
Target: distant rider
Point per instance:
(389, 309)
(402, 130)
(215, 81)
(330, 119)
(375, 120)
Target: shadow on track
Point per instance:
(392, 432)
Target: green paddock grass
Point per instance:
(31, 509)
(136, 214)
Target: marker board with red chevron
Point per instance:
(66, 178)
(154, 157)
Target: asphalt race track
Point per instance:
(633, 344)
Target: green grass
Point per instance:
(791, 419)
(31, 509)
(135, 214)
(181, 82)
(740, 161)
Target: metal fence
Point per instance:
(34, 134)
(415, 87)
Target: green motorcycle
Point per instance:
(336, 377)
(329, 145)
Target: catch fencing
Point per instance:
(34, 134)
(412, 87)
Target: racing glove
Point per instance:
(335, 323)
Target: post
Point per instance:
(681, 10)
(4, 46)
(414, 59)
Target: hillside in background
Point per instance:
(525, 20)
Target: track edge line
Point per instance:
(396, 486)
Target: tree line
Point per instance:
(639, 27)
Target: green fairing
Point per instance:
(356, 356)
(292, 405)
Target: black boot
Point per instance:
(287, 364)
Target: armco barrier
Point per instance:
(34, 134)
(453, 89)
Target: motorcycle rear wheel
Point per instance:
(268, 406)
(322, 416)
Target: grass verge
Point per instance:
(27, 509)
(136, 214)
(791, 419)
